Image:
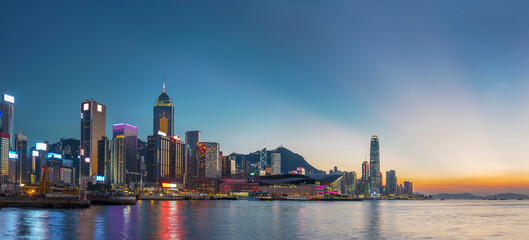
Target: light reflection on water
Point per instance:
(451, 219)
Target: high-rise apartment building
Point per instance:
(130, 133)
(374, 163)
(391, 182)
(7, 115)
(276, 163)
(163, 114)
(93, 121)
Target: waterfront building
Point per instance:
(276, 163)
(165, 161)
(179, 149)
(130, 132)
(4, 156)
(24, 164)
(209, 167)
(163, 114)
(391, 182)
(93, 121)
(118, 156)
(103, 156)
(374, 163)
(7, 116)
(191, 163)
(408, 187)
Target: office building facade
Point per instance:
(391, 182)
(130, 133)
(191, 163)
(276, 163)
(7, 115)
(93, 122)
(374, 163)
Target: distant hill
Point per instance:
(456, 196)
(289, 160)
(507, 196)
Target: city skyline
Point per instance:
(440, 115)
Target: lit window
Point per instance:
(86, 106)
(99, 108)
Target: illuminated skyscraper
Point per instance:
(93, 121)
(163, 115)
(365, 170)
(118, 174)
(4, 157)
(209, 166)
(165, 160)
(191, 164)
(130, 133)
(374, 163)
(7, 113)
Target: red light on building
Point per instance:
(176, 138)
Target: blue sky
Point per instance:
(443, 83)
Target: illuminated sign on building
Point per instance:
(176, 138)
(35, 153)
(99, 108)
(87, 159)
(100, 178)
(13, 155)
(162, 133)
(86, 106)
(54, 155)
(42, 146)
(9, 98)
(168, 185)
(82, 152)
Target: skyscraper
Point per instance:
(191, 164)
(276, 163)
(365, 170)
(408, 187)
(7, 113)
(165, 160)
(4, 156)
(374, 163)
(163, 114)
(24, 163)
(93, 121)
(130, 133)
(103, 156)
(117, 161)
(391, 182)
(209, 166)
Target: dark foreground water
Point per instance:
(450, 219)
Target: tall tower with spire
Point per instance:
(163, 114)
